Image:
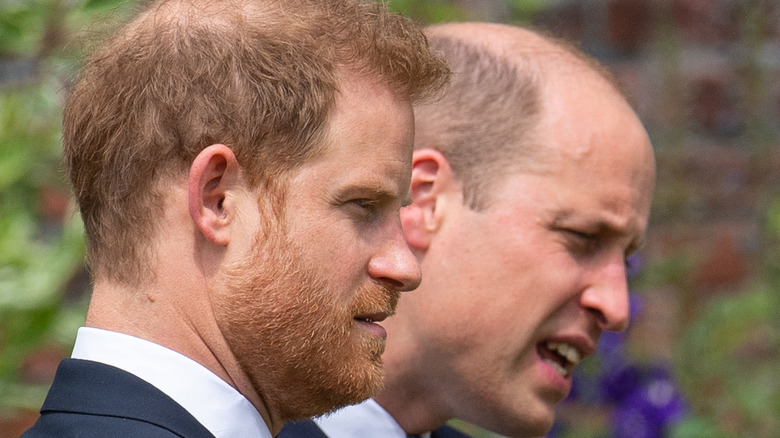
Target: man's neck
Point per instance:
(416, 410)
(155, 313)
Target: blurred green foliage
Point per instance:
(432, 11)
(727, 362)
(22, 23)
(439, 11)
(41, 237)
(38, 254)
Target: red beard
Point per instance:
(295, 337)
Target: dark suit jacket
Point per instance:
(92, 400)
(309, 429)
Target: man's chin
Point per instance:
(336, 391)
(369, 384)
(512, 420)
(530, 427)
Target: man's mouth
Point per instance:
(561, 356)
(369, 322)
(376, 317)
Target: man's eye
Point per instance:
(364, 208)
(583, 242)
(366, 204)
(580, 235)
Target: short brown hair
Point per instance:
(485, 116)
(257, 75)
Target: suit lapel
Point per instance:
(301, 429)
(87, 387)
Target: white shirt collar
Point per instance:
(363, 420)
(215, 404)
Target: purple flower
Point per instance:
(619, 379)
(630, 421)
(664, 401)
(646, 411)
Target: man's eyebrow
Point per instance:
(372, 188)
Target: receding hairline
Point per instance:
(536, 48)
(544, 67)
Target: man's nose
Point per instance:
(607, 295)
(395, 265)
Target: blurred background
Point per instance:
(702, 355)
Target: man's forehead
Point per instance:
(560, 196)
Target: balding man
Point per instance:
(531, 185)
(239, 166)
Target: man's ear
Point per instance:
(431, 178)
(213, 174)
